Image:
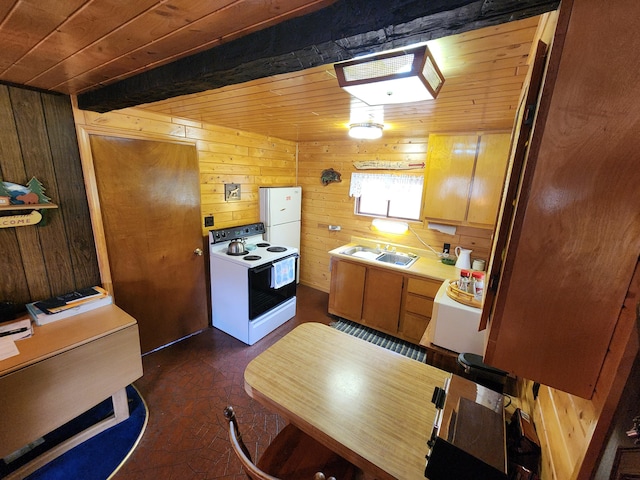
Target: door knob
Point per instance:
(198, 252)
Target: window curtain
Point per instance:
(385, 185)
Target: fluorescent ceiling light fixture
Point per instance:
(401, 76)
(366, 131)
(389, 226)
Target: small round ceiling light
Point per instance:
(366, 131)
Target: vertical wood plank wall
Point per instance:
(38, 138)
(331, 205)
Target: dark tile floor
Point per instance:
(187, 385)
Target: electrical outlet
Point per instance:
(208, 221)
(446, 248)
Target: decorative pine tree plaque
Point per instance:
(23, 197)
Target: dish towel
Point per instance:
(283, 272)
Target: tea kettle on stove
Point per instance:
(464, 258)
(236, 247)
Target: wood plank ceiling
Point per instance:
(484, 71)
(76, 46)
(72, 46)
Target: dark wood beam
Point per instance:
(339, 32)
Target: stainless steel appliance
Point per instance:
(253, 282)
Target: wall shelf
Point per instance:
(34, 206)
(25, 215)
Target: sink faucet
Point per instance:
(389, 248)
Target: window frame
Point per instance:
(357, 203)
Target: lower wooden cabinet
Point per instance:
(418, 306)
(389, 301)
(347, 289)
(382, 300)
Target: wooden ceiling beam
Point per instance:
(339, 32)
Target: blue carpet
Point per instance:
(97, 458)
(381, 339)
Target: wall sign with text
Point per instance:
(23, 197)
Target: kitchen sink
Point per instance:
(374, 254)
(400, 259)
(360, 249)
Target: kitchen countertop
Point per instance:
(428, 265)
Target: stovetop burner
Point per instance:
(257, 251)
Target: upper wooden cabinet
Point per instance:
(464, 178)
(488, 178)
(574, 238)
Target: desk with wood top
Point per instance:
(63, 370)
(368, 404)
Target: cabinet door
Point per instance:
(488, 178)
(450, 162)
(575, 235)
(382, 299)
(347, 289)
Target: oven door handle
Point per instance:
(270, 264)
(261, 269)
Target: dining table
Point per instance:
(369, 404)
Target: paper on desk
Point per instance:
(7, 348)
(16, 330)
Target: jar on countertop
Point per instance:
(478, 285)
(464, 284)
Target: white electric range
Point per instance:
(252, 292)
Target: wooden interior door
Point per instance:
(149, 195)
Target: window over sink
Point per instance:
(387, 195)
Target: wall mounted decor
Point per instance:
(329, 175)
(231, 192)
(23, 197)
(388, 165)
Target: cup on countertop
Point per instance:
(478, 264)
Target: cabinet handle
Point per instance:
(198, 252)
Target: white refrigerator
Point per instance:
(280, 211)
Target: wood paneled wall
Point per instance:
(225, 156)
(331, 205)
(38, 139)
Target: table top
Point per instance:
(62, 335)
(367, 403)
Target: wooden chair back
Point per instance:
(242, 452)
